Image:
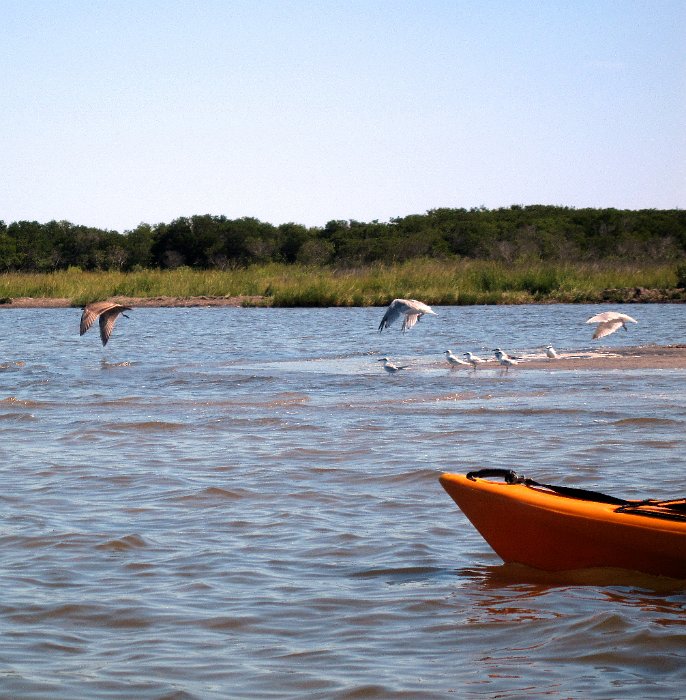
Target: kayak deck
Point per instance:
(535, 526)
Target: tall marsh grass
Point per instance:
(435, 282)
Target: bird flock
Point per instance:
(411, 311)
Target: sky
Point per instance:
(120, 112)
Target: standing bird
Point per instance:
(106, 312)
(504, 359)
(473, 359)
(454, 361)
(412, 310)
(608, 322)
(550, 352)
(389, 366)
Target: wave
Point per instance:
(647, 421)
(143, 426)
(24, 403)
(17, 417)
(214, 493)
(80, 613)
(402, 573)
(121, 544)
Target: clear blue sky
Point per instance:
(116, 112)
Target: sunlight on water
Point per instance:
(242, 503)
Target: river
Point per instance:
(242, 503)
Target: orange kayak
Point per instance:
(559, 528)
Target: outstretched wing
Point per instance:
(420, 307)
(611, 316)
(606, 328)
(87, 318)
(91, 312)
(108, 319)
(603, 317)
(396, 308)
(409, 321)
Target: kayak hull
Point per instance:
(538, 528)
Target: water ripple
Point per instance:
(191, 518)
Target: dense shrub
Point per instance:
(509, 235)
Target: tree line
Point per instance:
(512, 234)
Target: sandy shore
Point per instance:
(46, 303)
(639, 357)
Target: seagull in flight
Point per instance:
(504, 359)
(106, 312)
(411, 309)
(454, 361)
(551, 352)
(473, 359)
(609, 322)
(390, 367)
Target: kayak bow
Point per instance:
(558, 528)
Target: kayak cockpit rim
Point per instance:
(671, 509)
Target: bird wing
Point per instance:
(91, 312)
(611, 316)
(87, 318)
(108, 319)
(420, 307)
(602, 318)
(396, 307)
(606, 328)
(410, 320)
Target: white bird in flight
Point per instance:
(504, 359)
(608, 322)
(473, 359)
(550, 352)
(454, 361)
(107, 313)
(389, 366)
(411, 309)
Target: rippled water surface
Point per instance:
(242, 503)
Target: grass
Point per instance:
(435, 282)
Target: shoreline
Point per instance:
(138, 302)
(633, 357)
(265, 302)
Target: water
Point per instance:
(242, 503)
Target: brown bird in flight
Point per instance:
(107, 313)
